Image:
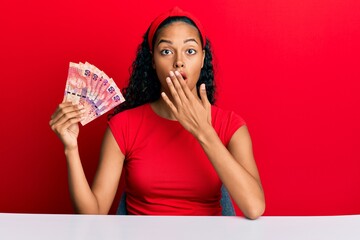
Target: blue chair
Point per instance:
(225, 202)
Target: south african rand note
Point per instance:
(92, 77)
(110, 98)
(95, 113)
(90, 87)
(75, 88)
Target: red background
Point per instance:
(289, 68)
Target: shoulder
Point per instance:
(124, 125)
(225, 123)
(128, 120)
(222, 116)
(129, 114)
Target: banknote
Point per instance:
(75, 85)
(90, 87)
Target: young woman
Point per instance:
(176, 147)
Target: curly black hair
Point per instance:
(144, 85)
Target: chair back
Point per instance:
(227, 207)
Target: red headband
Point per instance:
(175, 12)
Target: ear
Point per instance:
(203, 59)
(152, 60)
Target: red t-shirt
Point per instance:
(166, 170)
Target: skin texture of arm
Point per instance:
(108, 174)
(97, 199)
(237, 169)
(86, 200)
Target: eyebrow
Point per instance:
(191, 40)
(164, 41)
(170, 42)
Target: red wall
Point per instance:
(290, 68)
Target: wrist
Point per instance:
(206, 135)
(71, 151)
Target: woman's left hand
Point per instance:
(193, 113)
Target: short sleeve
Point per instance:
(235, 122)
(226, 123)
(118, 128)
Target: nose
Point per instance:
(179, 63)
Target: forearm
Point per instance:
(244, 188)
(83, 199)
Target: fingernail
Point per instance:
(202, 86)
(172, 73)
(168, 80)
(177, 73)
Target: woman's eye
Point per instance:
(191, 51)
(165, 52)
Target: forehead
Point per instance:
(178, 30)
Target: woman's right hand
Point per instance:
(64, 122)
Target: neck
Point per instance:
(162, 109)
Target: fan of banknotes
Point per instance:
(92, 88)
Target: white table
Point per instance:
(42, 226)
